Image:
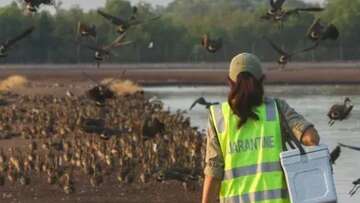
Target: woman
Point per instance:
(244, 140)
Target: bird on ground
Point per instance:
(85, 30)
(5, 46)
(33, 5)
(211, 45)
(320, 32)
(202, 101)
(104, 52)
(349, 147)
(356, 187)
(276, 12)
(151, 127)
(334, 155)
(101, 92)
(339, 112)
(285, 57)
(124, 24)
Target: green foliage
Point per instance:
(176, 35)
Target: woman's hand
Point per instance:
(310, 137)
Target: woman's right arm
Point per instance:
(211, 189)
(302, 129)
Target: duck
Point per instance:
(277, 13)
(211, 45)
(33, 5)
(103, 52)
(202, 101)
(85, 30)
(320, 32)
(124, 24)
(6, 45)
(334, 155)
(285, 56)
(356, 187)
(339, 112)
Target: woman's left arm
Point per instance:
(211, 189)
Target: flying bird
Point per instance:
(33, 5)
(356, 187)
(202, 101)
(85, 30)
(276, 12)
(211, 45)
(5, 46)
(319, 32)
(285, 57)
(334, 155)
(349, 147)
(124, 24)
(101, 92)
(104, 52)
(339, 112)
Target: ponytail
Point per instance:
(245, 94)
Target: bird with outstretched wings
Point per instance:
(104, 51)
(356, 187)
(211, 45)
(84, 30)
(124, 24)
(350, 147)
(202, 101)
(285, 56)
(5, 46)
(276, 13)
(319, 32)
(335, 154)
(33, 5)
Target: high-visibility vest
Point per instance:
(252, 171)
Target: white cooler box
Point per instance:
(309, 177)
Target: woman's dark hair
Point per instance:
(246, 93)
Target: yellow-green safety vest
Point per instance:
(252, 171)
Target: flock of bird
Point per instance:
(75, 142)
(316, 33)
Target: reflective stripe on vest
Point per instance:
(252, 171)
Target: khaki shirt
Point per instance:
(214, 162)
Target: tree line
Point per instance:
(176, 35)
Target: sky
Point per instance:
(92, 4)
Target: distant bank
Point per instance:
(188, 73)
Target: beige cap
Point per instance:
(245, 62)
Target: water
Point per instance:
(311, 101)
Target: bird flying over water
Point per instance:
(104, 52)
(211, 45)
(319, 32)
(33, 5)
(334, 155)
(124, 24)
(5, 46)
(203, 102)
(285, 57)
(349, 147)
(339, 112)
(277, 13)
(356, 187)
